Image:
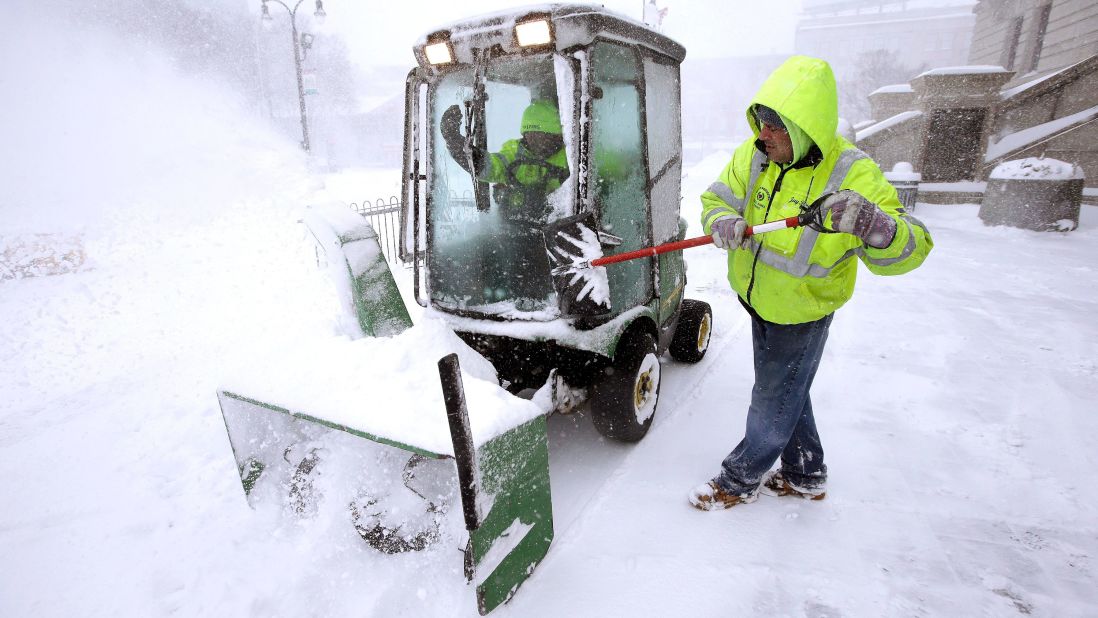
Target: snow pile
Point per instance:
(1037, 169)
(40, 254)
(186, 206)
(386, 386)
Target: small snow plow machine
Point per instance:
(535, 142)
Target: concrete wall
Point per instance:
(1055, 75)
(1079, 95)
(1070, 36)
(1062, 95)
(1036, 111)
(900, 142)
(953, 94)
(886, 104)
(1076, 146)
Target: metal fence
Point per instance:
(384, 217)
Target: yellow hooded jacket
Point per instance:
(798, 275)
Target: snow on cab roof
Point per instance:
(574, 24)
(494, 18)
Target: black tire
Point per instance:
(624, 397)
(693, 332)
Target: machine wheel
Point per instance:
(695, 327)
(624, 398)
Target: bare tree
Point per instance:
(872, 70)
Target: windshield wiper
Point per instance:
(476, 131)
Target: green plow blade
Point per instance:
(503, 483)
(510, 534)
(515, 534)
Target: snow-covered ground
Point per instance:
(956, 403)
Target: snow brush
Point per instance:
(574, 248)
(804, 219)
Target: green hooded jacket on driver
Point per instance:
(522, 178)
(799, 275)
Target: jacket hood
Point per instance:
(803, 91)
(541, 116)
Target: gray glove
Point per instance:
(853, 214)
(728, 232)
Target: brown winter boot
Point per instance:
(710, 497)
(774, 484)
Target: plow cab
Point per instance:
(535, 141)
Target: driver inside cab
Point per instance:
(522, 175)
(524, 171)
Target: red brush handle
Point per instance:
(691, 242)
(652, 251)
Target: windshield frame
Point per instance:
(501, 70)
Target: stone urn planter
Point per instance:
(1034, 194)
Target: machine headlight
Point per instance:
(439, 53)
(532, 33)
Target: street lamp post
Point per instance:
(320, 15)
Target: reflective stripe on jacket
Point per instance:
(523, 180)
(799, 275)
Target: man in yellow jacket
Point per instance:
(791, 281)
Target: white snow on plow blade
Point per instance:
(502, 547)
(385, 386)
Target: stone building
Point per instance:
(1030, 89)
(923, 32)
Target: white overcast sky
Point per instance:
(383, 33)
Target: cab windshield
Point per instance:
(503, 131)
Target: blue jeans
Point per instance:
(780, 421)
